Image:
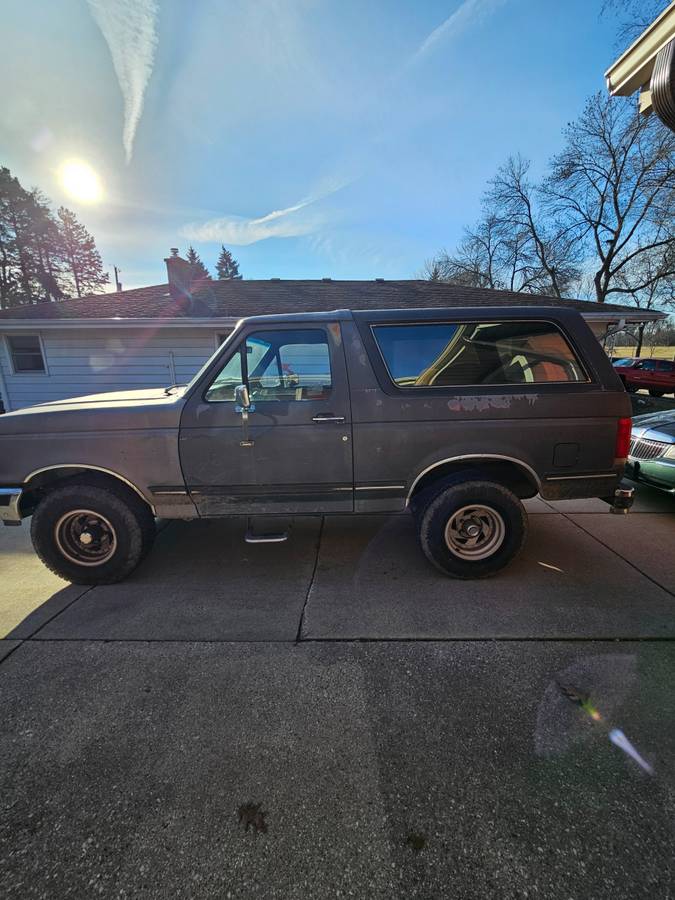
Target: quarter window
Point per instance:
(448, 354)
(26, 353)
(281, 365)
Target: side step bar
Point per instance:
(264, 537)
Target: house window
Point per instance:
(25, 351)
(447, 354)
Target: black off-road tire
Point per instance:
(124, 514)
(503, 516)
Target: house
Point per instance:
(648, 66)
(162, 334)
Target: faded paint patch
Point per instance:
(493, 401)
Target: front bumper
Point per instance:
(10, 510)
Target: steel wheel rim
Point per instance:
(85, 537)
(475, 532)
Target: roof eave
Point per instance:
(639, 315)
(633, 69)
(24, 324)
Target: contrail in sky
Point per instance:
(130, 30)
(280, 223)
(467, 14)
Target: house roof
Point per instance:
(217, 300)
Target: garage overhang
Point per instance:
(649, 66)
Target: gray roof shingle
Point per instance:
(220, 299)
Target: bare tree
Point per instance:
(601, 223)
(512, 246)
(633, 15)
(613, 190)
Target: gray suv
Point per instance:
(456, 415)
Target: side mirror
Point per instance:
(242, 398)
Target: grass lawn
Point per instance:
(655, 352)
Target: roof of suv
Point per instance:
(406, 314)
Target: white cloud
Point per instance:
(130, 30)
(292, 221)
(468, 14)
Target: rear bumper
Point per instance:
(10, 511)
(577, 487)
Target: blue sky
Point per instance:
(315, 138)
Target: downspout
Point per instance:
(4, 393)
(172, 368)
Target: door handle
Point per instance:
(327, 417)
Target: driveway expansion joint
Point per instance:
(59, 612)
(298, 637)
(616, 553)
(461, 639)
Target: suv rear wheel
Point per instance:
(472, 529)
(92, 533)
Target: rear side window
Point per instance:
(448, 354)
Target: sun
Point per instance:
(81, 181)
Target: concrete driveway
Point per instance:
(406, 735)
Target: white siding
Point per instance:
(92, 360)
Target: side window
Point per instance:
(288, 365)
(449, 354)
(25, 351)
(666, 366)
(281, 365)
(649, 365)
(223, 385)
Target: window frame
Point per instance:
(453, 389)
(10, 355)
(240, 349)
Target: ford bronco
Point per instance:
(456, 415)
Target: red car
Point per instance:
(655, 375)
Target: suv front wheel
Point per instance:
(472, 529)
(92, 533)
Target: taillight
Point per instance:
(622, 438)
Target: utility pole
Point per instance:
(118, 283)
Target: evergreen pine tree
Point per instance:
(42, 256)
(82, 259)
(49, 264)
(227, 266)
(199, 270)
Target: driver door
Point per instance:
(294, 453)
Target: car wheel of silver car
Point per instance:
(92, 532)
(472, 529)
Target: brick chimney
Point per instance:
(179, 273)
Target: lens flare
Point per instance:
(81, 181)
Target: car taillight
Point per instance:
(622, 438)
